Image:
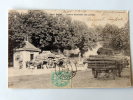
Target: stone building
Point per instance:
(24, 54)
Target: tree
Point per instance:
(84, 37)
(48, 32)
(15, 36)
(116, 38)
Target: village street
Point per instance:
(42, 79)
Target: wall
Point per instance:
(24, 56)
(16, 61)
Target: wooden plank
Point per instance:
(101, 62)
(103, 67)
(101, 57)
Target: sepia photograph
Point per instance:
(69, 49)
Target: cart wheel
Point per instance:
(119, 72)
(114, 73)
(95, 74)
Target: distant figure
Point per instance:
(20, 64)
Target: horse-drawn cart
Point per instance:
(106, 64)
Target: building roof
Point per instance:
(28, 47)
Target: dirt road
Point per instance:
(83, 79)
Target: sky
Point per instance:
(96, 18)
(93, 18)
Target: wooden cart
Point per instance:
(105, 64)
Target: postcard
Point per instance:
(69, 49)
